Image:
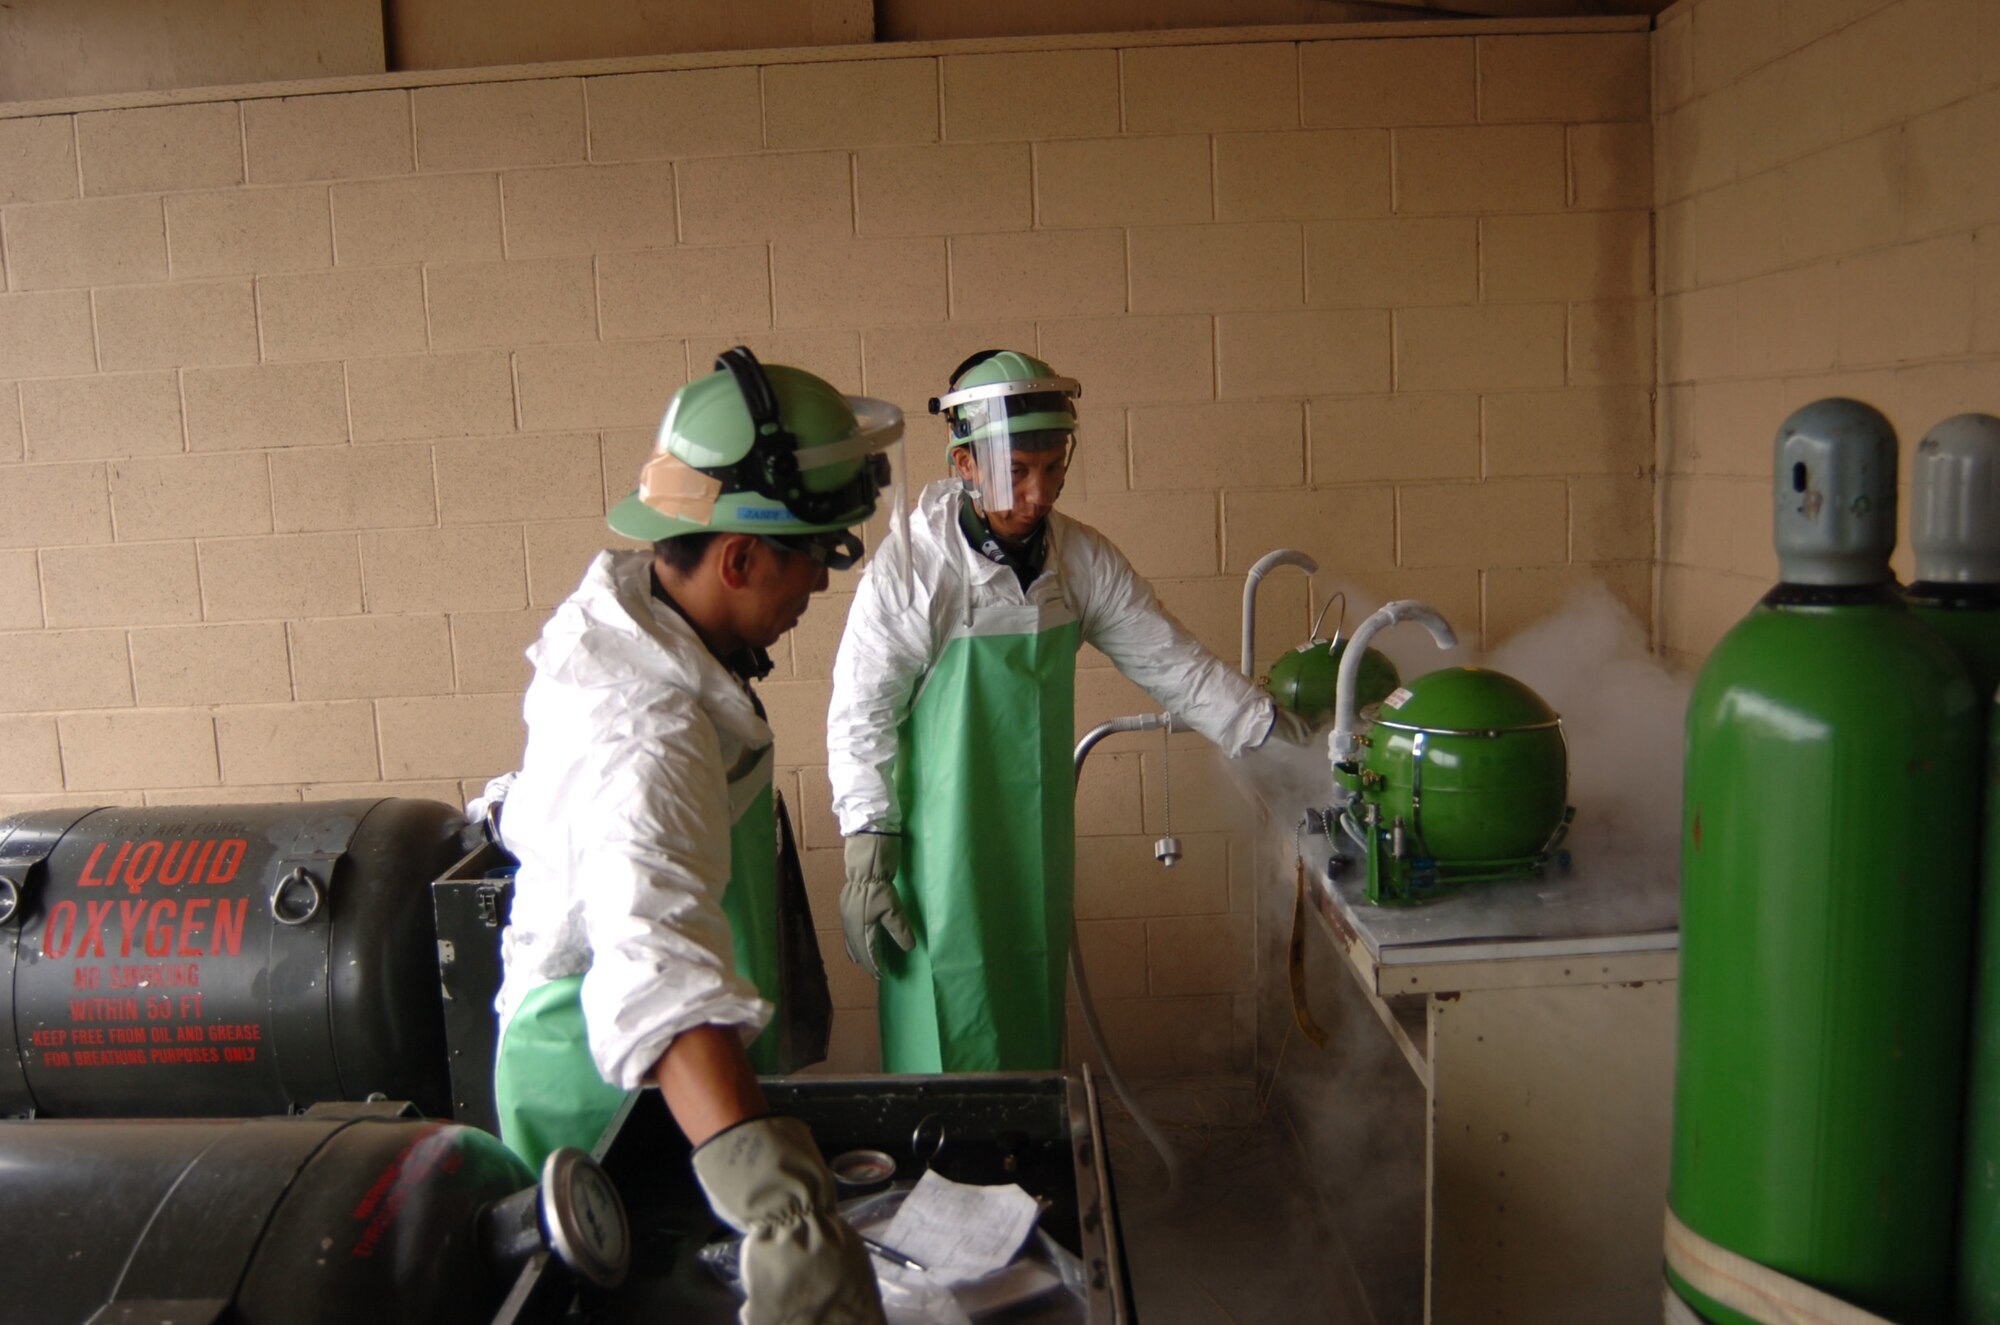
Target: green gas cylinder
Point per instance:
(1303, 680)
(1828, 830)
(1955, 532)
(1979, 1199)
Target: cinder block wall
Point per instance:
(1829, 224)
(311, 406)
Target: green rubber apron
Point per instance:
(989, 850)
(546, 1086)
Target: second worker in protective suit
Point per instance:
(953, 714)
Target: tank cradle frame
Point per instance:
(1412, 874)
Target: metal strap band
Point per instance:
(25, 842)
(1759, 1292)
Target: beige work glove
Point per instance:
(868, 898)
(802, 1264)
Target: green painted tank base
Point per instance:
(1413, 881)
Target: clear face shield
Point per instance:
(1021, 436)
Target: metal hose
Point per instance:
(1267, 563)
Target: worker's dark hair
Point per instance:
(684, 552)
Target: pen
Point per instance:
(890, 1253)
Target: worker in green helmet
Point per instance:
(642, 946)
(952, 719)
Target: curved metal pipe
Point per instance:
(1136, 722)
(1342, 745)
(1267, 563)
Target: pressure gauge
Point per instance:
(584, 1219)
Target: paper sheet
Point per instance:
(959, 1231)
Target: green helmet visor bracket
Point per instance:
(774, 468)
(991, 417)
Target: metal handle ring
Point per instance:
(297, 898)
(929, 1128)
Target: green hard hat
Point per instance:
(1005, 391)
(762, 449)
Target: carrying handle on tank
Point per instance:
(296, 898)
(1342, 745)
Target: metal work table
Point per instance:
(1539, 1016)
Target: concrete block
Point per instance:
(1939, 193)
(94, 418)
(1611, 517)
(816, 638)
(1199, 955)
(480, 126)
(859, 103)
(1123, 181)
(444, 570)
(621, 385)
(1202, 1039)
(150, 148)
(1212, 608)
(944, 190)
(1734, 424)
(798, 717)
(190, 496)
(812, 811)
(53, 505)
(1731, 37)
(736, 199)
(1302, 354)
(1031, 95)
(298, 743)
(361, 657)
(558, 552)
(1759, 106)
(30, 755)
(66, 669)
(1392, 262)
(1485, 168)
(1673, 248)
(436, 395)
(1118, 879)
(479, 304)
(282, 577)
(1688, 154)
(666, 292)
(685, 112)
(1198, 268)
(342, 314)
(908, 365)
(20, 591)
(343, 135)
(1048, 273)
(1301, 175)
(91, 241)
(196, 324)
(1518, 597)
(135, 751)
(1611, 165)
(329, 488)
(12, 445)
(1582, 255)
(269, 405)
(488, 650)
(498, 479)
(1571, 76)
(1910, 302)
(1489, 346)
(1844, 199)
(1163, 534)
(1348, 529)
(1133, 360)
(1389, 82)
(1202, 89)
(1986, 291)
(579, 210)
(1377, 439)
(1698, 335)
(1903, 60)
(1577, 430)
(833, 354)
(134, 584)
(38, 159)
(211, 664)
(246, 231)
(1611, 343)
(1251, 444)
(858, 282)
(47, 335)
(1114, 953)
(435, 218)
(1738, 229)
(1505, 522)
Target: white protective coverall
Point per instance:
(643, 750)
(982, 991)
